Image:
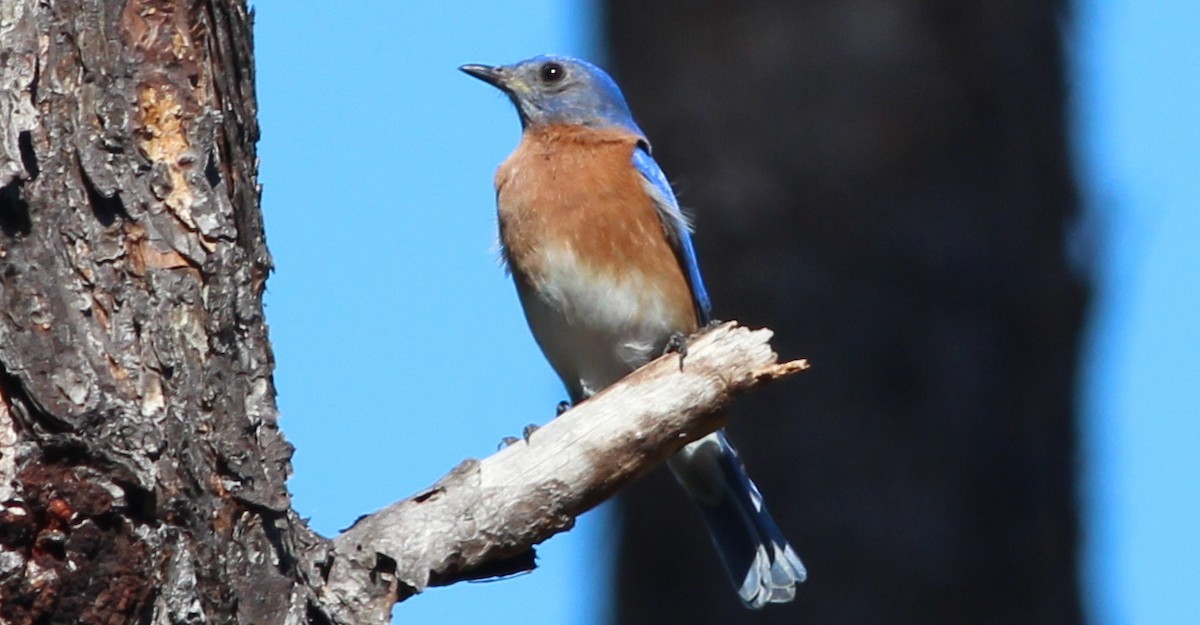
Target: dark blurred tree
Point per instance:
(888, 184)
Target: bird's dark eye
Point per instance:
(552, 72)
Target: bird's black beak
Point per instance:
(494, 76)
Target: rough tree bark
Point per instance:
(142, 472)
(891, 180)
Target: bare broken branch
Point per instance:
(484, 517)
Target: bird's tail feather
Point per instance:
(762, 565)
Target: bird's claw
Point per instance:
(712, 323)
(562, 407)
(678, 344)
(526, 432)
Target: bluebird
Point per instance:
(604, 266)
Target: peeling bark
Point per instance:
(143, 471)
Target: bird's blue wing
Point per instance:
(676, 225)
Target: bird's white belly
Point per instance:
(594, 327)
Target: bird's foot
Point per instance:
(677, 344)
(712, 323)
(562, 407)
(509, 441)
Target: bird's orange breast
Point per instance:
(575, 189)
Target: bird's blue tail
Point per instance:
(762, 565)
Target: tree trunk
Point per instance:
(887, 183)
(143, 473)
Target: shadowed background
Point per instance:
(886, 182)
(890, 185)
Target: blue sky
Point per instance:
(1138, 140)
(401, 347)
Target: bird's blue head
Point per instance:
(559, 90)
